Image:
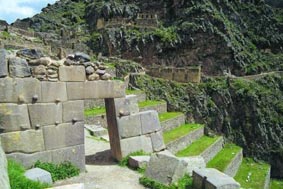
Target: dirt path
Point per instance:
(102, 171)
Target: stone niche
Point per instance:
(44, 120)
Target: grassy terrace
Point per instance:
(224, 157)
(150, 103)
(169, 115)
(95, 111)
(252, 174)
(276, 184)
(197, 147)
(179, 132)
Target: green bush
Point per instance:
(18, 180)
(60, 171)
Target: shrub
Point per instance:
(60, 171)
(18, 180)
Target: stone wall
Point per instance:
(42, 110)
(4, 179)
(183, 75)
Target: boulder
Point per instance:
(3, 63)
(4, 179)
(165, 168)
(93, 77)
(79, 56)
(30, 53)
(106, 76)
(40, 175)
(41, 61)
(19, 68)
(89, 70)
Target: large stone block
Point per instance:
(23, 141)
(45, 114)
(39, 175)
(14, 117)
(135, 144)
(157, 141)
(129, 126)
(73, 111)
(150, 122)
(138, 161)
(165, 168)
(126, 106)
(3, 63)
(4, 179)
(53, 91)
(213, 179)
(74, 154)
(72, 73)
(26, 90)
(76, 90)
(63, 135)
(19, 67)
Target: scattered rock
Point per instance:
(3, 63)
(41, 61)
(39, 70)
(89, 70)
(30, 53)
(19, 67)
(40, 175)
(100, 72)
(93, 77)
(69, 62)
(165, 168)
(106, 76)
(79, 56)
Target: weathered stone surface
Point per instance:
(72, 73)
(93, 77)
(19, 67)
(14, 117)
(41, 61)
(138, 161)
(196, 162)
(16, 89)
(30, 53)
(74, 154)
(213, 179)
(79, 56)
(89, 70)
(45, 114)
(106, 76)
(167, 125)
(63, 135)
(157, 141)
(76, 90)
(23, 141)
(128, 105)
(72, 186)
(150, 122)
(39, 175)
(53, 91)
(135, 144)
(129, 126)
(39, 70)
(100, 120)
(96, 130)
(165, 168)
(4, 179)
(73, 111)
(3, 63)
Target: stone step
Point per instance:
(96, 130)
(171, 120)
(159, 106)
(253, 174)
(207, 147)
(182, 136)
(228, 160)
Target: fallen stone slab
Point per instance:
(194, 163)
(210, 178)
(40, 175)
(165, 168)
(96, 130)
(138, 161)
(72, 186)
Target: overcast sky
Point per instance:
(10, 10)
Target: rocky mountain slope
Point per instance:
(241, 37)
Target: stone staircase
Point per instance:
(188, 140)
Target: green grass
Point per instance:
(150, 103)
(18, 180)
(95, 111)
(179, 132)
(224, 157)
(133, 92)
(197, 147)
(276, 184)
(168, 115)
(59, 172)
(251, 174)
